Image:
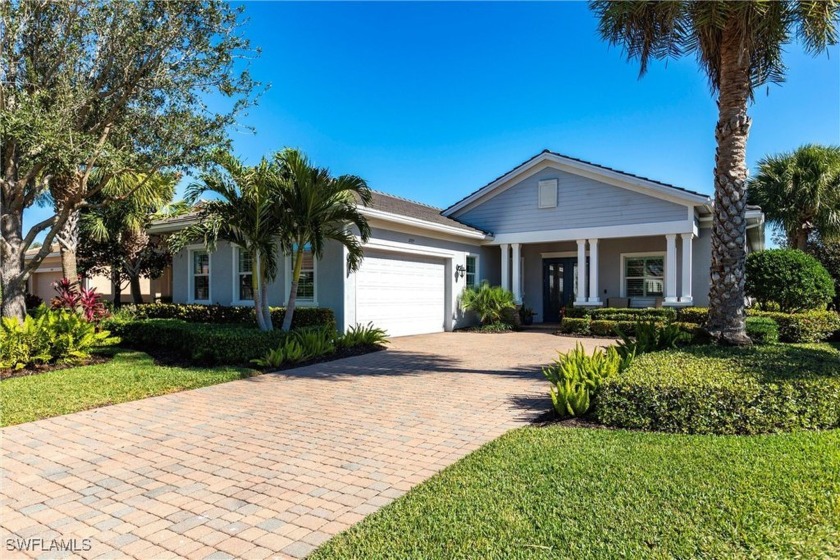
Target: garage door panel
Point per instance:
(404, 294)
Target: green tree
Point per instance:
(790, 278)
(739, 46)
(828, 253)
(317, 208)
(112, 85)
(113, 231)
(799, 192)
(248, 213)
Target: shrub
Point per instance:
(32, 301)
(47, 337)
(790, 278)
(363, 335)
(726, 390)
(662, 314)
(575, 377)
(697, 315)
(203, 343)
(650, 336)
(315, 341)
(84, 301)
(223, 314)
(811, 326)
(492, 304)
(762, 330)
(694, 333)
(572, 325)
(573, 312)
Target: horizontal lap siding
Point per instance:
(582, 202)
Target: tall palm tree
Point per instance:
(248, 213)
(317, 208)
(799, 192)
(738, 44)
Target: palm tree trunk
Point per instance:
(729, 225)
(116, 286)
(800, 239)
(257, 283)
(68, 244)
(266, 311)
(290, 306)
(136, 290)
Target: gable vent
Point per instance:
(548, 193)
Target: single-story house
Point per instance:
(41, 280)
(555, 230)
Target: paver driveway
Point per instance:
(270, 466)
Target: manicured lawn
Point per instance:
(128, 377)
(560, 492)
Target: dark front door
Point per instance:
(558, 286)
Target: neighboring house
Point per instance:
(49, 271)
(555, 230)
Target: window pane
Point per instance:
(635, 287)
(635, 267)
(246, 291)
(201, 288)
(307, 261)
(244, 261)
(655, 287)
(655, 267)
(306, 285)
(201, 263)
(471, 275)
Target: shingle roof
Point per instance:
(547, 151)
(404, 207)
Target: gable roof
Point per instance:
(398, 206)
(654, 187)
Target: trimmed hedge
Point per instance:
(762, 330)
(633, 315)
(574, 325)
(725, 390)
(225, 315)
(811, 326)
(698, 315)
(201, 343)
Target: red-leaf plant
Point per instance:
(85, 301)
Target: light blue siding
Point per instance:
(582, 202)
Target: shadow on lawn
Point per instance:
(779, 362)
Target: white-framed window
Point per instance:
(548, 193)
(200, 264)
(643, 275)
(471, 274)
(243, 288)
(307, 291)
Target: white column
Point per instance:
(593, 272)
(580, 297)
(671, 268)
(505, 266)
(686, 268)
(517, 273)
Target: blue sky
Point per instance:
(433, 100)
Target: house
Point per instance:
(41, 280)
(555, 230)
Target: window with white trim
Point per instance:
(306, 283)
(644, 276)
(244, 276)
(471, 274)
(200, 276)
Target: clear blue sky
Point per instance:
(432, 100)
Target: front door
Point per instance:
(558, 286)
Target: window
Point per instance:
(644, 276)
(306, 283)
(472, 271)
(548, 193)
(200, 276)
(244, 276)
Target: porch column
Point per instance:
(505, 266)
(593, 272)
(671, 268)
(517, 273)
(686, 268)
(580, 297)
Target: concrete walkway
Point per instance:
(270, 466)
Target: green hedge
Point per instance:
(223, 314)
(574, 325)
(633, 315)
(201, 343)
(697, 315)
(762, 330)
(725, 390)
(811, 326)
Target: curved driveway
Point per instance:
(270, 466)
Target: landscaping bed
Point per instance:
(9, 373)
(127, 377)
(557, 492)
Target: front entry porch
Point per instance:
(633, 271)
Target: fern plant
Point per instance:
(492, 304)
(363, 335)
(651, 336)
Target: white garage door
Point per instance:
(403, 294)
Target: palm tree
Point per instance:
(248, 214)
(317, 208)
(738, 44)
(799, 192)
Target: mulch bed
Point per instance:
(38, 370)
(551, 418)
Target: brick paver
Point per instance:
(270, 466)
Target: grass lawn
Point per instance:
(128, 377)
(559, 492)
